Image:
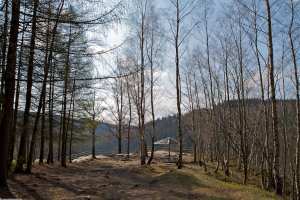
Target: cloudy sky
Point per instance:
(165, 101)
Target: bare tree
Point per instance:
(276, 165)
(182, 11)
(92, 109)
(294, 61)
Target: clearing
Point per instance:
(115, 177)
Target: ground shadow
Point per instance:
(30, 191)
(6, 193)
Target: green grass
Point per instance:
(231, 188)
(209, 185)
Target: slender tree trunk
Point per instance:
(120, 119)
(192, 110)
(15, 118)
(276, 165)
(130, 118)
(64, 122)
(94, 141)
(40, 106)
(266, 150)
(24, 136)
(244, 146)
(42, 145)
(94, 131)
(71, 134)
(50, 159)
(212, 100)
(142, 82)
(228, 136)
(284, 115)
(72, 119)
(294, 60)
(152, 100)
(36, 122)
(10, 72)
(178, 85)
(60, 132)
(94, 144)
(44, 95)
(4, 42)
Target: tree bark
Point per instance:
(72, 120)
(152, 99)
(15, 116)
(10, 72)
(294, 61)
(130, 118)
(276, 164)
(142, 83)
(284, 115)
(94, 131)
(178, 85)
(120, 118)
(64, 122)
(4, 42)
(42, 144)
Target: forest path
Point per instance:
(115, 178)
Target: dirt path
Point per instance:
(112, 178)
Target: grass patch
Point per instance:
(178, 178)
(229, 186)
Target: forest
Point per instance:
(216, 81)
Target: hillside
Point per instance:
(165, 127)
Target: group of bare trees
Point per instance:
(237, 84)
(134, 95)
(230, 67)
(44, 52)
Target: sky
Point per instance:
(165, 102)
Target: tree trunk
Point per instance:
(276, 165)
(41, 159)
(50, 159)
(130, 117)
(24, 136)
(71, 135)
(64, 122)
(152, 100)
(178, 85)
(228, 135)
(42, 145)
(120, 119)
(6, 121)
(294, 60)
(15, 118)
(94, 144)
(4, 42)
(94, 131)
(142, 97)
(72, 119)
(285, 140)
